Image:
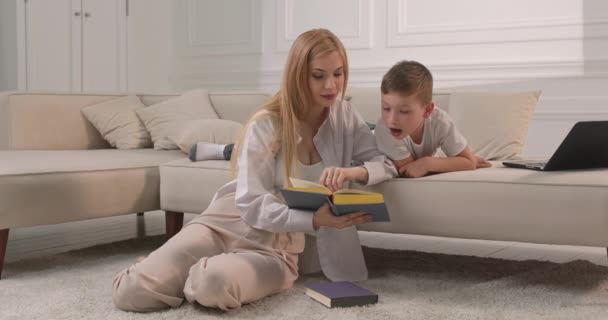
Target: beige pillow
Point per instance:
(494, 123)
(206, 130)
(118, 124)
(163, 118)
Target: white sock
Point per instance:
(206, 151)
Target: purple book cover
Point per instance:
(341, 289)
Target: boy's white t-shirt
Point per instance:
(439, 132)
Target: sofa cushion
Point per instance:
(217, 131)
(494, 123)
(498, 203)
(163, 118)
(202, 178)
(45, 187)
(118, 123)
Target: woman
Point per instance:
(245, 246)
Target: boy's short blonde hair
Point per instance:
(407, 78)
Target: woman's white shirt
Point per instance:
(343, 137)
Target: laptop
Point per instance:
(585, 147)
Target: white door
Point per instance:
(53, 45)
(104, 37)
(76, 45)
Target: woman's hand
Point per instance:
(334, 177)
(324, 218)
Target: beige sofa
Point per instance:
(498, 203)
(55, 167)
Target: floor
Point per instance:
(45, 240)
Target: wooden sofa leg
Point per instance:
(3, 242)
(173, 223)
(140, 214)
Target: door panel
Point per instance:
(53, 45)
(104, 45)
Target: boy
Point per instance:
(411, 129)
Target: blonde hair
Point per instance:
(407, 78)
(293, 100)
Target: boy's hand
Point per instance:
(324, 218)
(415, 169)
(481, 163)
(334, 177)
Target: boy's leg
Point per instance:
(157, 281)
(229, 280)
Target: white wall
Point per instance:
(463, 42)
(8, 45)
(559, 46)
(150, 46)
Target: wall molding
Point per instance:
(550, 108)
(360, 38)
(189, 43)
(447, 71)
(400, 34)
(572, 108)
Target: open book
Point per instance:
(306, 195)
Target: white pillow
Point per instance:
(117, 122)
(163, 118)
(206, 130)
(494, 123)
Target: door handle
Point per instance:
(77, 14)
(87, 14)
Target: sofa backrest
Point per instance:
(38, 121)
(51, 121)
(54, 121)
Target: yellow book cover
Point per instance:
(307, 195)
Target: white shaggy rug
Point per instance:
(411, 285)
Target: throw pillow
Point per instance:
(494, 123)
(164, 118)
(117, 122)
(217, 131)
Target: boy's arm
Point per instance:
(401, 164)
(465, 160)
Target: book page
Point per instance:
(306, 185)
(355, 191)
(312, 186)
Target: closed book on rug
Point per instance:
(340, 294)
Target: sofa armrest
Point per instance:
(5, 124)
